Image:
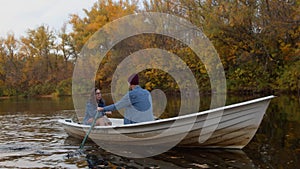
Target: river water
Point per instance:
(31, 137)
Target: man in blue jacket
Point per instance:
(137, 103)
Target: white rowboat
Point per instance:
(231, 126)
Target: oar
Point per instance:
(79, 151)
(88, 133)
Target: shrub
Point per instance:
(290, 78)
(64, 88)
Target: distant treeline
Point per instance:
(258, 42)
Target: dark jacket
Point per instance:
(91, 110)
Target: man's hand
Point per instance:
(100, 108)
(108, 112)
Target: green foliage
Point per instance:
(64, 88)
(290, 78)
(41, 89)
(245, 79)
(8, 91)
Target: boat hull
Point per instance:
(231, 126)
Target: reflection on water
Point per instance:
(31, 138)
(277, 141)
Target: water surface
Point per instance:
(31, 138)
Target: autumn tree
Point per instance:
(255, 39)
(46, 59)
(101, 13)
(10, 65)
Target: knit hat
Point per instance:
(133, 79)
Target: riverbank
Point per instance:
(208, 93)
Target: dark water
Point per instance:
(30, 137)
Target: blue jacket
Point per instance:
(91, 110)
(137, 104)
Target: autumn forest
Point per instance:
(258, 42)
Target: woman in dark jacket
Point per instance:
(95, 101)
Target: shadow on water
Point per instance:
(176, 158)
